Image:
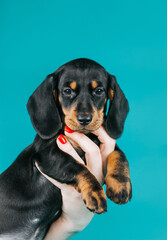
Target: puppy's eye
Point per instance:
(99, 91)
(67, 91)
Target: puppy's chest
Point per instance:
(78, 149)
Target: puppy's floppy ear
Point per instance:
(43, 110)
(119, 108)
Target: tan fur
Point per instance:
(73, 85)
(72, 122)
(59, 100)
(113, 167)
(112, 161)
(111, 94)
(85, 186)
(94, 84)
(55, 95)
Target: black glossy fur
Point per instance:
(29, 203)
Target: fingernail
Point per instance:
(69, 130)
(62, 139)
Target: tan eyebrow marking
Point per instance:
(94, 84)
(73, 85)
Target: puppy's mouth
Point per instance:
(84, 122)
(84, 129)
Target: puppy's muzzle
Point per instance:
(84, 119)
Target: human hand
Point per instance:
(107, 146)
(75, 216)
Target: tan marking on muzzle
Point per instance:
(70, 119)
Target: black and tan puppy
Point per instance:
(74, 95)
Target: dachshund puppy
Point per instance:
(74, 95)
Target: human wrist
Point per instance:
(69, 224)
(62, 229)
(69, 227)
(75, 225)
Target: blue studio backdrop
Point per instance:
(129, 38)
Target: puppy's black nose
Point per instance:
(84, 119)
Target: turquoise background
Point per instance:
(129, 38)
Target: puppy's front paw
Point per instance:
(95, 200)
(119, 188)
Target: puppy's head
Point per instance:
(76, 94)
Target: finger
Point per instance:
(106, 147)
(92, 152)
(67, 147)
(103, 136)
(86, 144)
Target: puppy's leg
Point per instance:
(117, 179)
(65, 169)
